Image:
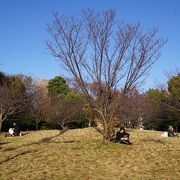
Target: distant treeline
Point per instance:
(59, 104)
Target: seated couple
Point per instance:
(122, 137)
(14, 131)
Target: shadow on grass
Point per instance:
(2, 143)
(62, 142)
(154, 140)
(48, 139)
(44, 140)
(69, 142)
(17, 155)
(25, 133)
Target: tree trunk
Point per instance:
(90, 124)
(1, 120)
(0, 124)
(37, 126)
(106, 135)
(108, 132)
(63, 126)
(106, 139)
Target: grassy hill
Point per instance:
(80, 154)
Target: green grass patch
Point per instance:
(97, 145)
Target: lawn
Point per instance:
(80, 154)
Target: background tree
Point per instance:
(156, 114)
(174, 90)
(65, 105)
(11, 97)
(162, 105)
(58, 86)
(98, 48)
(132, 109)
(38, 100)
(66, 111)
(173, 103)
(3, 78)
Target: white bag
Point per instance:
(165, 134)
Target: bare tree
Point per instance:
(11, 102)
(100, 49)
(65, 111)
(37, 98)
(132, 109)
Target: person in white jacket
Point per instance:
(11, 132)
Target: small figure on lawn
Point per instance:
(122, 136)
(171, 132)
(13, 131)
(16, 130)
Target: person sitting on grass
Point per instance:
(16, 130)
(171, 132)
(122, 136)
(11, 132)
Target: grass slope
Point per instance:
(79, 154)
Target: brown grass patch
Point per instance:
(80, 154)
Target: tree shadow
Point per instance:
(154, 140)
(17, 155)
(48, 139)
(62, 142)
(2, 143)
(25, 133)
(44, 140)
(67, 142)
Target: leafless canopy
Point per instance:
(11, 102)
(65, 111)
(37, 99)
(98, 48)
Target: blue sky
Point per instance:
(23, 32)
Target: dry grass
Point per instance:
(79, 154)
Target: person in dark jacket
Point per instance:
(171, 132)
(122, 136)
(16, 129)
